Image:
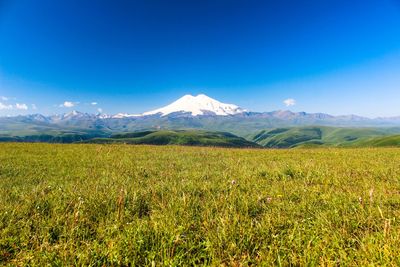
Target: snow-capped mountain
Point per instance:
(189, 112)
(124, 115)
(72, 115)
(198, 105)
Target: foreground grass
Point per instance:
(147, 205)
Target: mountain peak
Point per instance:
(198, 105)
(73, 113)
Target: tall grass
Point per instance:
(146, 205)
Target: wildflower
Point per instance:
(233, 182)
(360, 200)
(264, 200)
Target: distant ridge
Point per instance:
(198, 112)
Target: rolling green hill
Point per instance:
(324, 136)
(179, 137)
(52, 137)
(385, 141)
(285, 137)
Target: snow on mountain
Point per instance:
(103, 116)
(198, 105)
(75, 115)
(124, 115)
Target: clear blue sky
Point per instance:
(337, 57)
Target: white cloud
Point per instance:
(100, 110)
(68, 104)
(21, 106)
(4, 106)
(93, 103)
(289, 102)
(34, 107)
(4, 98)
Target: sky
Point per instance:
(331, 56)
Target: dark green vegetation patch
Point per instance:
(187, 137)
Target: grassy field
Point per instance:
(105, 205)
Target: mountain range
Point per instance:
(188, 112)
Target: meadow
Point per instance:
(112, 205)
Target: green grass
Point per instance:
(109, 205)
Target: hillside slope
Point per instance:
(321, 136)
(385, 141)
(179, 137)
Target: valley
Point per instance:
(192, 116)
